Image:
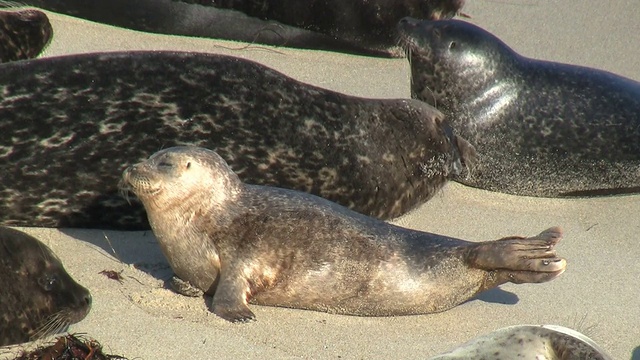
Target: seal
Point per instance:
(23, 34)
(67, 143)
(355, 26)
(270, 246)
(540, 128)
(369, 23)
(550, 342)
(38, 297)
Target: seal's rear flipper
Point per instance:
(520, 260)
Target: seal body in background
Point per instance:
(355, 26)
(23, 34)
(270, 246)
(529, 342)
(540, 128)
(368, 23)
(38, 296)
(64, 145)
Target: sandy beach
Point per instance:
(599, 294)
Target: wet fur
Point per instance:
(540, 128)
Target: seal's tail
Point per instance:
(520, 260)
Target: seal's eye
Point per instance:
(436, 33)
(48, 282)
(188, 164)
(164, 164)
(452, 45)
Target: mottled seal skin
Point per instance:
(278, 247)
(529, 342)
(38, 297)
(23, 34)
(64, 146)
(540, 128)
(354, 26)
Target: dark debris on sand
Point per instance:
(70, 347)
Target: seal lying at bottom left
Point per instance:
(278, 247)
(38, 297)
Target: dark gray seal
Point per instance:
(540, 128)
(357, 26)
(529, 342)
(38, 297)
(64, 145)
(23, 34)
(367, 23)
(270, 246)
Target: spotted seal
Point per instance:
(529, 342)
(23, 34)
(540, 128)
(271, 246)
(66, 144)
(357, 26)
(38, 297)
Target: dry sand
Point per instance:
(598, 294)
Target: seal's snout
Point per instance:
(88, 300)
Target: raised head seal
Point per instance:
(246, 243)
(540, 128)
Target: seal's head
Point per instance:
(449, 41)
(38, 297)
(452, 56)
(23, 34)
(177, 176)
(187, 191)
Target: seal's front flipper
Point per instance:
(519, 260)
(230, 299)
(184, 287)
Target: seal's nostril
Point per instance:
(88, 300)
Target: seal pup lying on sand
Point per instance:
(357, 26)
(540, 128)
(23, 34)
(529, 342)
(278, 247)
(37, 297)
(70, 125)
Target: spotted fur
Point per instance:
(23, 34)
(70, 125)
(529, 342)
(540, 128)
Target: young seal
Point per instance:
(23, 34)
(66, 144)
(529, 342)
(357, 26)
(540, 128)
(279, 247)
(38, 297)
